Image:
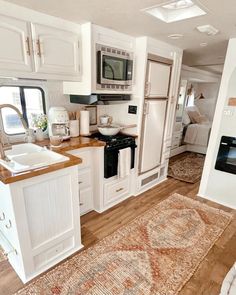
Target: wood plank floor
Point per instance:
(206, 280)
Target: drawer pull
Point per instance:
(119, 189)
(81, 204)
(9, 225)
(14, 251)
(2, 217)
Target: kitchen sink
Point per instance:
(28, 156)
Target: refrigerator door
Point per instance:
(158, 78)
(153, 132)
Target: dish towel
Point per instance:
(124, 162)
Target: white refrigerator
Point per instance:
(152, 133)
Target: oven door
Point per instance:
(226, 158)
(114, 69)
(111, 160)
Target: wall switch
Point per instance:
(132, 109)
(228, 112)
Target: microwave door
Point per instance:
(114, 70)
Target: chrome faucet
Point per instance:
(3, 146)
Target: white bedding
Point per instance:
(197, 134)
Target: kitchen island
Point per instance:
(40, 212)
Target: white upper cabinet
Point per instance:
(158, 79)
(56, 51)
(15, 48)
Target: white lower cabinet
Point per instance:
(115, 191)
(85, 179)
(40, 221)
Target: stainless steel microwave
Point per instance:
(114, 67)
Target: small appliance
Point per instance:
(114, 68)
(58, 120)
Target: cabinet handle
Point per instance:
(119, 189)
(80, 182)
(28, 45)
(2, 217)
(39, 53)
(10, 252)
(81, 204)
(148, 88)
(9, 225)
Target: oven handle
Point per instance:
(120, 148)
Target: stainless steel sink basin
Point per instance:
(28, 156)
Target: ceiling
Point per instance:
(125, 16)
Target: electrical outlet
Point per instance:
(132, 109)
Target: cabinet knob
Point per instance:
(28, 45)
(80, 182)
(14, 251)
(2, 217)
(8, 225)
(39, 53)
(81, 204)
(119, 189)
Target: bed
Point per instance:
(197, 130)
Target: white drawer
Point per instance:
(53, 253)
(84, 155)
(85, 178)
(86, 200)
(178, 126)
(116, 190)
(167, 146)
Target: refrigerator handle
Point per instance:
(148, 88)
(146, 108)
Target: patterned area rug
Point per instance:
(3, 257)
(187, 168)
(156, 253)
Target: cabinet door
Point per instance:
(15, 48)
(56, 51)
(158, 78)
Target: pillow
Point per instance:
(186, 120)
(193, 115)
(202, 119)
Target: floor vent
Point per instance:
(149, 179)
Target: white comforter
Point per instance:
(198, 134)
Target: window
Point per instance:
(29, 101)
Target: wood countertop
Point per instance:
(7, 176)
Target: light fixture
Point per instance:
(175, 36)
(173, 11)
(208, 29)
(179, 4)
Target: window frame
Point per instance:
(23, 104)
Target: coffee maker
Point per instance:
(58, 120)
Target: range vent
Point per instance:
(149, 179)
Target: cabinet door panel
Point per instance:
(15, 49)
(158, 79)
(56, 51)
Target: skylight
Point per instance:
(173, 11)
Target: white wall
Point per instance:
(216, 185)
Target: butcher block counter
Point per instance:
(74, 143)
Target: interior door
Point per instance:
(153, 132)
(158, 77)
(56, 51)
(15, 48)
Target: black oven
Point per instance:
(226, 158)
(111, 151)
(111, 159)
